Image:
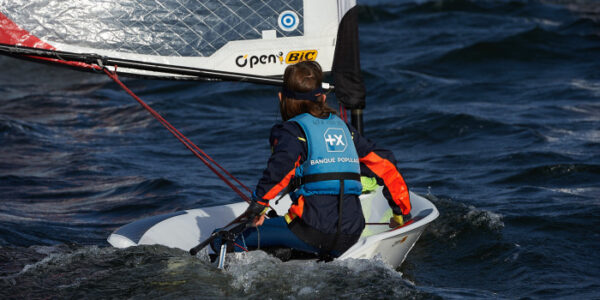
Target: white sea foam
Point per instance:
(310, 279)
(456, 216)
(57, 256)
(485, 218)
(593, 192)
(565, 136)
(515, 255)
(583, 84)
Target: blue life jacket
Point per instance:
(331, 158)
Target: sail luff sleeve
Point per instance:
(350, 88)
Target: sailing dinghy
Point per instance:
(225, 40)
(185, 229)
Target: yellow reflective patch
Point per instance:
(302, 139)
(369, 184)
(288, 219)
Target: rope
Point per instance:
(241, 247)
(343, 113)
(205, 158)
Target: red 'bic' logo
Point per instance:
(335, 140)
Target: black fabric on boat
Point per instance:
(349, 84)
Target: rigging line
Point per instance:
(184, 140)
(241, 247)
(189, 144)
(176, 132)
(343, 113)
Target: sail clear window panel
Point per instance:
(153, 27)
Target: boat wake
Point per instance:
(95, 272)
(270, 277)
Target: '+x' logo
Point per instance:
(335, 140)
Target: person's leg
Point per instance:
(273, 233)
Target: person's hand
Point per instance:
(256, 213)
(258, 221)
(396, 220)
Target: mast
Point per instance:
(357, 119)
(350, 87)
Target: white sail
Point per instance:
(259, 37)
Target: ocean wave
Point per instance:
(50, 211)
(589, 192)
(446, 127)
(377, 12)
(555, 174)
(589, 139)
(587, 85)
(458, 220)
(586, 9)
(95, 272)
(526, 46)
(584, 26)
(49, 197)
(473, 6)
(520, 158)
(10, 128)
(310, 279)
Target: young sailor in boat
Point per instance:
(319, 159)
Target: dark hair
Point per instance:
(303, 77)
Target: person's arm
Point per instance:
(288, 145)
(381, 164)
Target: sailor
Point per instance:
(319, 159)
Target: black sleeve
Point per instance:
(289, 149)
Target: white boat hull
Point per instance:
(186, 229)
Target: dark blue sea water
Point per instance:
(491, 107)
